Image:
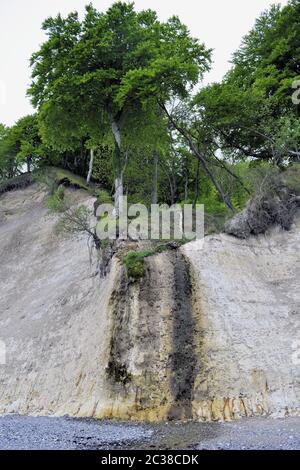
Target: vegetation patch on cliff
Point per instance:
(118, 372)
(67, 178)
(18, 182)
(134, 261)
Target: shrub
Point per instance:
(56, 201)
(102, 198)
(18, 182)
(77, 220)
(135, 260)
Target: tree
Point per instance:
(30, 147)
(2, 131)
(184, 123)
(20, 146)
(244, 113)
(109, 69)
(3, 151)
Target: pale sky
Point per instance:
(220, 24)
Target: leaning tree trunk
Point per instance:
(118, 170)
(197, 153)
(186, 185)
(154, 197)
(197, 184)
(28, 161)
(88, 179)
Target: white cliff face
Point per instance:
(208, 333)
(53, 314)
(247, 302)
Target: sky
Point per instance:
(220, 24)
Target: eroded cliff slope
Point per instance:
(54, 314)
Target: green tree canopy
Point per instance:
(20, 145)
(245, 112)
(109, 70)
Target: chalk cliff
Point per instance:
(209, 333)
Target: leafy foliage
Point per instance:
(120, 84)
(100, 79)
(135, 260)
(251, 113)
(55, 201)
(21, 147)
(18, 182)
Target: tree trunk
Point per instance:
(218, 187)
(88, 179)
(200, 157)
(209, 173)
(197, 184)
(119, 189)
(28, 160)
(186, 185)
(173, 191)
(154, 178)
(118, 178)
(118, 167)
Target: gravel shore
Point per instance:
(24, 432)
